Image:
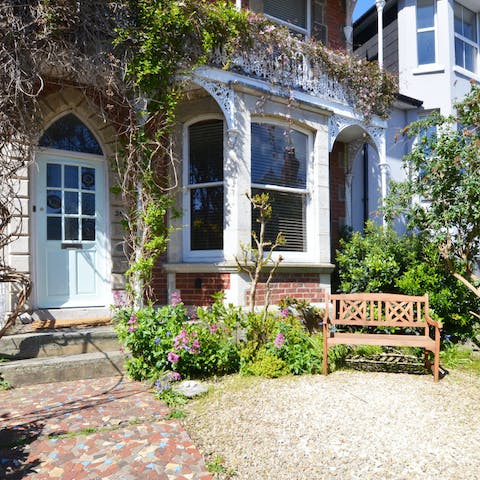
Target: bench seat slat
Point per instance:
(382, 339)
(381, 323)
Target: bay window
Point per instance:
(295, 14)
(426, 32)
(466, 42)
(205, 185)
(279, 168)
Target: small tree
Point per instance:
(441, 195)
(256, 259)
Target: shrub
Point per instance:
(169, 338)
(380, 260)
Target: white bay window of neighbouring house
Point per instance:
(466, 38)
(426, 32)
(205, 185)
(279, 168)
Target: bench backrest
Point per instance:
(382, 309)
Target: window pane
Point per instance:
(279, 156)
(459, 60)
(54, 175)
(291, 11)
(69, 133)
(206, 212)
(206, 152)
(469, 25)
(425, 13)
(71, 202)
(71, 176)
(88, 229)
(88, 178)
(88, 204)
(470, 58)
(54, 201)
(426, 47)
(288, 217)
(71, 229)
(54, 228)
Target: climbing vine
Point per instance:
(129, 58)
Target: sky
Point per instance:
(362, 7)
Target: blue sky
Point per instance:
(362, 7)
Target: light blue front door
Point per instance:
(70, 236)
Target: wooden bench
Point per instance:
(408, 314)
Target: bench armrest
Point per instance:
(433, 323)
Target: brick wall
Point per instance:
(337, 193)
(198, 288)
(302, 286)
(159, 294)
(335, 21)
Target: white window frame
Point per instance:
(303, 31)
(466, 40)
(308, 254)
(188, 253)
(427, 29)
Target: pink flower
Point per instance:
(213, 328)
(279, 340)
(176, 376)
(284, 312)
(176, 298)
(172, 357)
(132, 329)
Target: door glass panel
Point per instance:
(71, 229)
(71, 202)
(54, 201)
(88, 178)
(54, 175)
(88, 229)
(88, 204)
(54, 228)
(71, 176)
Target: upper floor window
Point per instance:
(426, 32)
(279, 168)
(295, 14)
(205, 185)
(466, 40)
(69, 133)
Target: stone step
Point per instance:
(63, 368)
(42, 344)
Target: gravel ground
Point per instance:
(348, 425)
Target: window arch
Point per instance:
(69, 133)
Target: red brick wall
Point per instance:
(159, 284)
(337, 194)
(302, 286)
(335, 20)
(210, 283)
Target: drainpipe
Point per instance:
(348, 29)
(380, 4)
(365, 183)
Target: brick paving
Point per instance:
(108, 428)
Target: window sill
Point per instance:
(466, 73)
(429, 69)
(231, 267)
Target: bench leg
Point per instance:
(426, 361)
(325, 358)
(436, 365)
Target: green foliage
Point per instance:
(266, 364)
(444, 167)
(372, 261)
(382, 261)
(171, 338)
